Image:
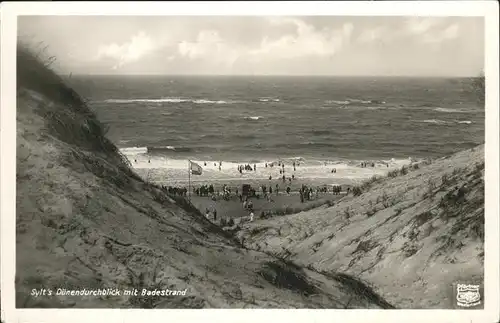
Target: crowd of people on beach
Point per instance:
(247, 167)
(180, 191)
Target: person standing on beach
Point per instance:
(294, 165)
(251, 216)
(288, 190)
(207, 213)
(270, 190)
(284, 179)
(215, 215)
(277, 189)
(254, 167)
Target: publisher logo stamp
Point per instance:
(468, 295)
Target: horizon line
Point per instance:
(278, 75)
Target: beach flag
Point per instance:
(195, 168)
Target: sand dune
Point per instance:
(410, 237)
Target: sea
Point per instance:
(161, 122)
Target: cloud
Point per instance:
(373, 34)
(306, 41)
(437, 37)
(209, 45)
(419, 26)
(139, 45)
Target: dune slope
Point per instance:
(85, 220)
(410, 236)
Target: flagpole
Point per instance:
(189, 180)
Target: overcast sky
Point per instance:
(409, 46)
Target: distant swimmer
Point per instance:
(149, 161)
(135, 160)
(293, 176)
(284, 179)
(270, 177)
(215, 164)
(205, 164)
(266, 165)
(254, 167)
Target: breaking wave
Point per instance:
(434, 121)
(170, 100)
(152, 149)
(448, 110)
(442, 122)
(253, 118)
(355, 101)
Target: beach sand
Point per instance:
(173, 173)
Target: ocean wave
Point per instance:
(169, 100)
(354, 101)
(152, 149)
(336, 102)
(359, 101)
(254, 118)
(202, 101)
(134, 150)
(434, 121)
(449, 110)
(264, 99)
(442, 122)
